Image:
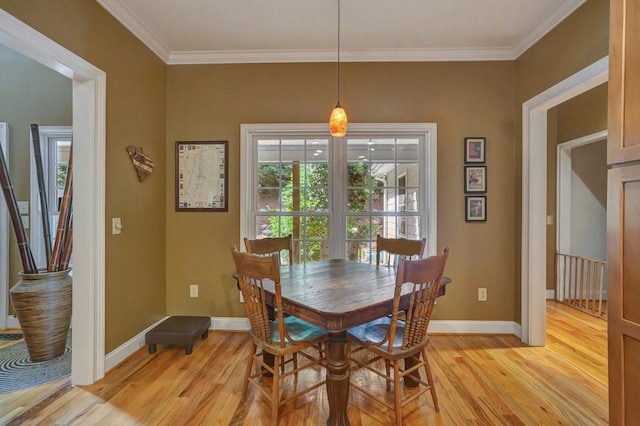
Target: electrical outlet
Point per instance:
(482, 295)
(193, 290)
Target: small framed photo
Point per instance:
(475, 179)
(202, 176)
(475, 150)
(475, 208)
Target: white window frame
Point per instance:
(248, 155)
(47, 135)
(4, 236)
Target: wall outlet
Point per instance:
(193, 290)
(482, 295)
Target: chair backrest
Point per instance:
(266, 246)
(399, 246)
(252, 270)
(424, 277)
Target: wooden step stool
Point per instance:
(178, 330)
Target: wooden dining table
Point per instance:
(337, 295)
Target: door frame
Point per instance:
(564, 190)
(89, 116)
(4, 236)
(534, 194)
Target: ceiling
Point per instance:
(245, 31)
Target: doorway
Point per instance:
(534, 194)
(89, 104)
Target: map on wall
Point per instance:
(201, 176)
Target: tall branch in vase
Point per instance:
(28, 262)
(64, 220)
(42, 190)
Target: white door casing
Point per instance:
(534, 193)
(89, 106)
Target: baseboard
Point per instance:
(551, 294)
(125, 350)
(473, 327)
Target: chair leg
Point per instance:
(388, 368)
(396, 391)
(275, 397)
(247, 372)
(432, 385)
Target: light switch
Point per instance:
(25, 221)
(549, 220)
(23, 207)
(116, 226)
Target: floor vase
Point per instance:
(42, 303)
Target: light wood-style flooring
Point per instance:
(480, 379)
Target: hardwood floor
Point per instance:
(480, 379)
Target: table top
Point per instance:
(337, 294)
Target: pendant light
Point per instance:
(338, 119)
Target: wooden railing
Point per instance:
(579, 283)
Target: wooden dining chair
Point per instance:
(279, 338)
(266, 246)
(388, 339)
(399, 247)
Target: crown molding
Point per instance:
(382, 55)
(549, 23)
(126, 18)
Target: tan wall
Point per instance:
(136, 115)
(579, 41)
(464, 99)
(29, 93)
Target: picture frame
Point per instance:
(475, 150)
(475, 179)
(475, 208)
(202, 176)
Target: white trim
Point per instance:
(472, 327)
(224, 324)
(565, 9)
(306, 56)
(137, 28)
(4, 237)
(551, 294)
(563, 187)
(534, 193)
(130, 22)
(89, 106)
(247, 160)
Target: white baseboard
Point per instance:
(125, 350)
(551, 294)
(473, 327)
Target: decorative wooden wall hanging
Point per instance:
(141, 162)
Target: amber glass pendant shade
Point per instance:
(338, 122)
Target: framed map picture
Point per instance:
(202, 176)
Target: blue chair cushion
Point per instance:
(298, 329)
(376, 330)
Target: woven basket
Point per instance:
(42, 303)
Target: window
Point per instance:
(334, 195)
(55, 143)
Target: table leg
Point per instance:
(337, 379)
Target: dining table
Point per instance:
(336, 295)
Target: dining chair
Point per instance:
(279, 338)
(390, 340)
(265, 246)
(400, 247)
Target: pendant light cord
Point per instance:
(338, 52)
